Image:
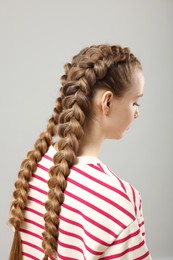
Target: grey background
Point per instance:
(37, 38)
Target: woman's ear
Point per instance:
(106, 102)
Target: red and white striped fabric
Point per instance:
(101, 217)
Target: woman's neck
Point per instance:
(90, 144)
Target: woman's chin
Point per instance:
(118, 137)
(121, 135)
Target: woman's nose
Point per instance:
(136, 113)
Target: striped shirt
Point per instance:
(101, 217)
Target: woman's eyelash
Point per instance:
(136, 104)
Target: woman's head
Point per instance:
(102, 83)
(113, 115)
(106, 80)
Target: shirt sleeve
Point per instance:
(129, 245)
(139, 215)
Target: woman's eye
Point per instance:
(136, 104)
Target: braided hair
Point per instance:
(111, 67)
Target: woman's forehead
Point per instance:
(138, 82)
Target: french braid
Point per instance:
(97, 66)
(28, 166)
(70, 130)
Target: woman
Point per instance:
(67, 204)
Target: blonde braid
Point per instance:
(29, 166)
(70, 131)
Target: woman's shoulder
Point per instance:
(95, 175)
(132, 193)
(92, 171)
(118, 187)
(92, 166)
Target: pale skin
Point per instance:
(112, 116)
